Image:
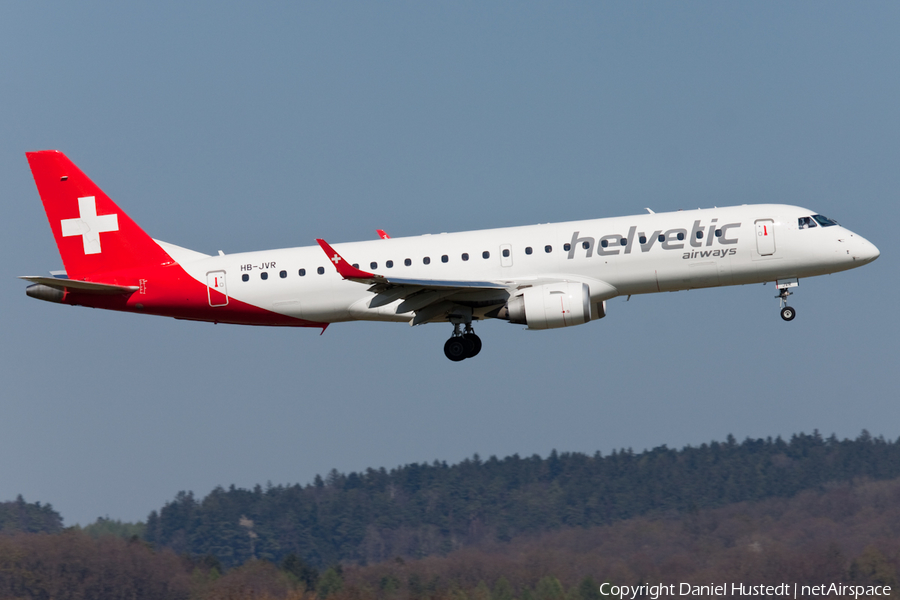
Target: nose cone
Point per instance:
(854, 251)
(859, 250)
(866, 251)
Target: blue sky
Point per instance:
(251, 126)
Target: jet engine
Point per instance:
(552, 305)
(45, 292)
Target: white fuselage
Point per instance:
(637, 254)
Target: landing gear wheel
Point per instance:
(455, 349)
(787, 313)
(473, 344)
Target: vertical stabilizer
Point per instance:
(92, 233)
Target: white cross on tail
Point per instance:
(88, 225)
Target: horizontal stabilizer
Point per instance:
(83, 287)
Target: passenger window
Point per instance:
(680, 236)
(604, 243)
(320, 270)
(528, 250)
(699, 235)
(586, 245)
(355, 265)
(264, 275)
(623, 241)
(373, 265)
(426, 260)
(548, 249)
(506, 253)
(718, 233)
(465, 256)
(302, 272)
(283, 274)
(389, 264)
(445, 258)
(567, 246)
(245, 277)
(485, 254)
(407, 262)
(662, 238)
(643, 239)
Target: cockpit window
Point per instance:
(806, 222)
(824, 221)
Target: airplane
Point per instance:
(542, 276)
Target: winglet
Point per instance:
(345, 269)
(382, 234)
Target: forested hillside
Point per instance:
(420, 509)
(848, 533)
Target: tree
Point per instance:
(106, 526)
(331, 582)
(32, 518)
(872, 567)
(589, 589)
(503, 590)
(299, 570)
(549, 588)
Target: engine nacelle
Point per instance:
(45, 292)
(552, 305)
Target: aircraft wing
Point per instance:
(436, 298)
(348, 271)
(426, 297)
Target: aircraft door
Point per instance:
(765, 237)
(215, 287)
(506, 255)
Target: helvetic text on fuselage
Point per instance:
(670, 239)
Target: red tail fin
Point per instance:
(92, 233)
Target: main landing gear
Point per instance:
(462, 345)
(787, 313)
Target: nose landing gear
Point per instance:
(787, 313)
(462, 345)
